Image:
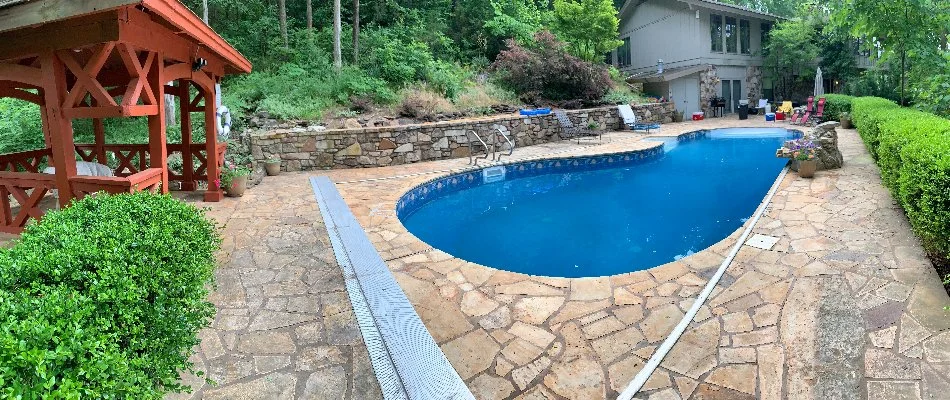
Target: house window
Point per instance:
(731, 33)
(765, 29)
(745, 44)
(623, 54)
(715, 32)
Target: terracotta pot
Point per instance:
(806, 169)
(238, 186)
(272, 168)
(845, 123)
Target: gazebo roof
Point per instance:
(56, 23)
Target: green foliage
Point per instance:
(790, 54)
(934, 94)
(21, 128)
(913, 152)
(835, 105)
(105, 299)
(867, 113)
(589, 27)
(516, 19)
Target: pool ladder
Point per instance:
(500, 136)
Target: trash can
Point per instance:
(743, 109)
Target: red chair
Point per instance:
(821, 111)
(808, 111)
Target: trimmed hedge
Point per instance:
(912, 149)
(105, 299)
(835, 104)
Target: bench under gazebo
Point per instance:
(85, 59)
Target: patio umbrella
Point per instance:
(819, 84)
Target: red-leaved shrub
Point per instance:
(545, 70)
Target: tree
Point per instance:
(282, 12)
(204, 13)
(902, 28)
(309, 14)
(790, 54)
(516, 19)
(356, 32)
(590, 27)
(337, 28)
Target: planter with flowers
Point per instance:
(803, 153)
(234, 179)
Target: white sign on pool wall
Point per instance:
(493, 174)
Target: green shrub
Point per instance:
(835, 104)
(867, 113)
(913, 152)
(105, 299)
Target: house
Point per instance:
(691, 51)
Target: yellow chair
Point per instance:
(785, 108)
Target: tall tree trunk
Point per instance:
(282, 8)
(204, 4)
(337, 28)
(356, 32)
(310, 14)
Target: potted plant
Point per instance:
(845, 120)
(592, 125)
(272, 165)
(804, 153)
(234, 179)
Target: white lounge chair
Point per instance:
(630, 119)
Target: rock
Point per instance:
(829, 156)
(352, 123)
(353, 150)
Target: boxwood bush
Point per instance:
(913, 151)
(835, 104)
(105, 299)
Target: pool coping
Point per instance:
(406, 359)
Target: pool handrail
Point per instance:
(501, 131)
(471, 149)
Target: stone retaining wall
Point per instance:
(303, 149)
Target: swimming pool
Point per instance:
(600, 215)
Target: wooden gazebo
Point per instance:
(100, 59)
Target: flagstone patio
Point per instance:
(845, 305)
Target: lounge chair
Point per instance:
(785, 108)
(630, 119)
(764, 105)
(571, 131)
(820, 113)
(808, 111)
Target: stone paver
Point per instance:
(793, 321)
(845, 305)
(284, 327)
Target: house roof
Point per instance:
(630, 5)
(668, 74)
(25, 14)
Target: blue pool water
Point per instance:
(605, 220)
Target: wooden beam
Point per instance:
(214, 192)
(157, 139)
(21, 74)
(39, 12)
(16, 93)
(138, 29)
(187, 161)
(69, 34)
(63, 153)
(111, 111)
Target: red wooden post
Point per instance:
(187, 160)
(214, 192)
(60, 127)
(100, 132)
(157, 138)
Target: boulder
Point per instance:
(829, 156)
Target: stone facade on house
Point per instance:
(310, 148)
(708, 88)
(753, 84)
